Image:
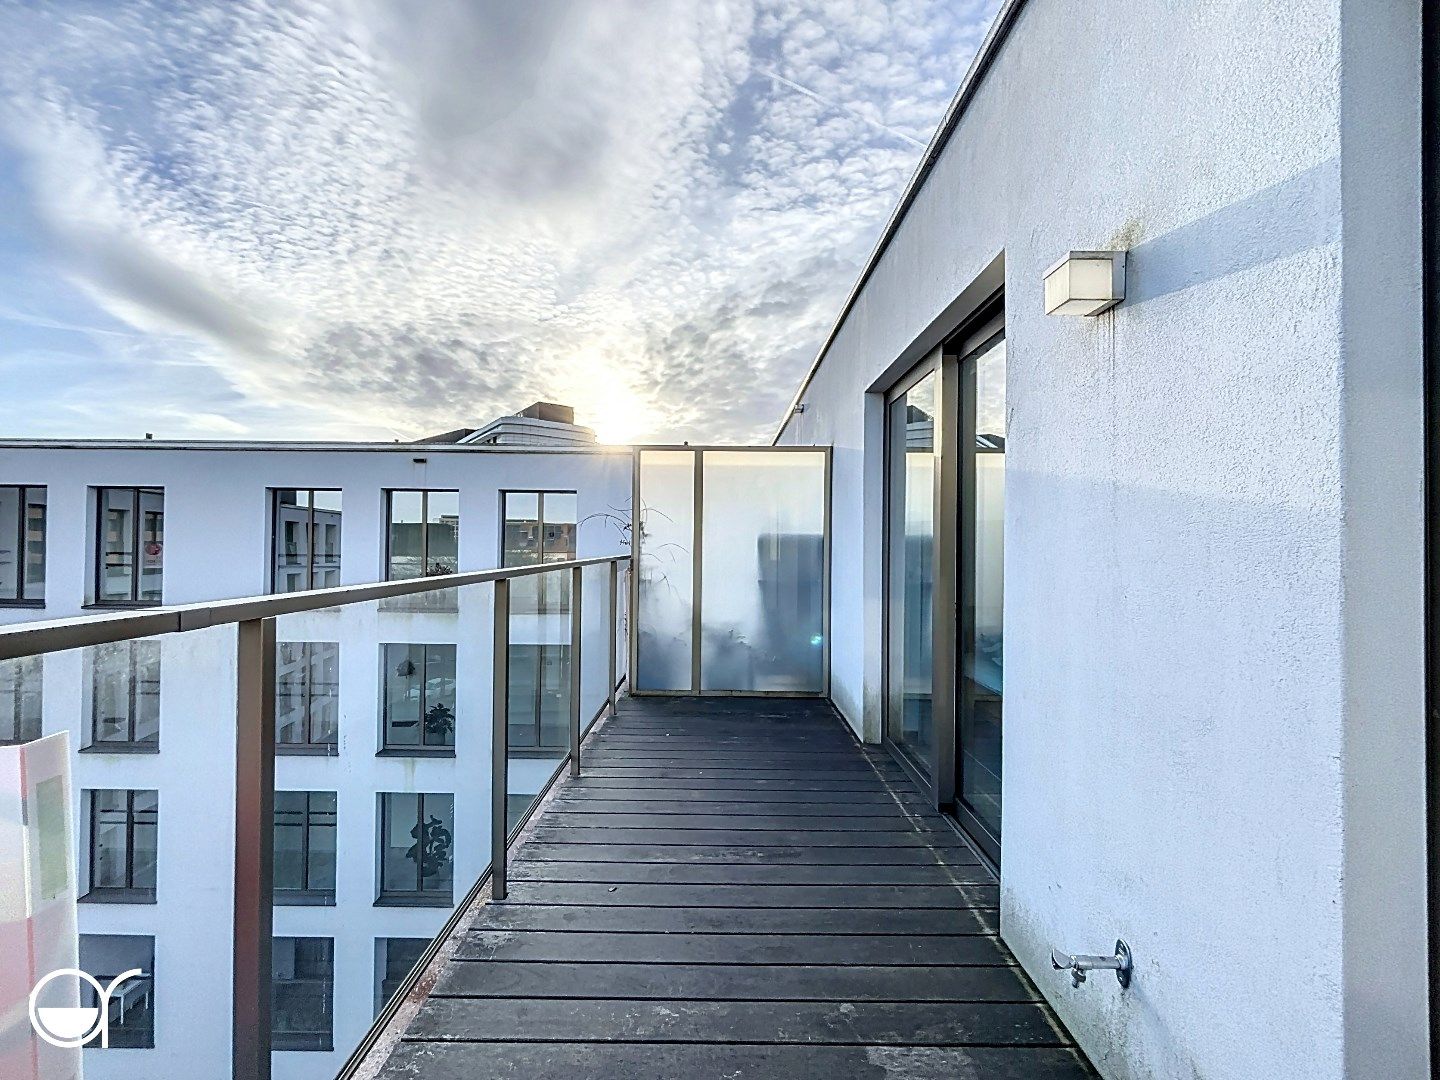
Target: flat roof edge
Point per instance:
(995, 37)
(417, 449)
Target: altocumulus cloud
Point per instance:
(404, 215)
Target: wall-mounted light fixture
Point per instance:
(1085, 283)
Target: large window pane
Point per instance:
(122, 851)
(666, 539)
(539, 705)
(419, 696)
(417, 833)
(21, 696)
(302, 1002)
(117, 544)
(911, 540)
(306, 534)
(307, 696)
(763, 575)
(131, 545)
(394, 957)
(407, 538)
(125, 696)
(132, 1005)
(442, 531)
(22, 544)
(982, 587)
(305, 846)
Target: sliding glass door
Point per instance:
(981, 591)
(910, 575)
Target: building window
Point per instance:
(22, 545)
(125, 697)
(539, 528)
(302, 1002)
(305, 535)
(418, 700)
(130, 545)
(124, 827)
(417, 835)
(21, 686)
(132, 1005)
(307, 697)
(394, 959)
(424, 534)
(539, 704)
(305, 847)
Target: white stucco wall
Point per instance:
(1213, 713)
(217, 545)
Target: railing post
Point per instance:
(500, 742)
(577, 577)
(254, 846)
(613, 633)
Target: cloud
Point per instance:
(417, 214)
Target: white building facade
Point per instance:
(383, 709)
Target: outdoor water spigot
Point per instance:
(1079, 964)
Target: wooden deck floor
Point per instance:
(735, 888)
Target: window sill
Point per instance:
(298, 898)
(417, 751)
(121, 605)
(120, 748)
(22, 603)
(307, 750)
(118, 896)
(546, 752)
(414, 900)
(282, 1042)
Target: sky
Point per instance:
(380, 219)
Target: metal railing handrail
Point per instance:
(79, 631)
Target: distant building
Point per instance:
(541, 424)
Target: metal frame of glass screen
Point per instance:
(697, 595)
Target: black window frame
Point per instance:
(419, 896)
(311, 746)
(129, 893)
(137, 531)
(308, 894)
(22, 544)
(425, 523)
(13, 731)
(314, 1041)
(130, 745)
(387, 672)
(275, 534)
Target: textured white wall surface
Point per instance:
(1213, 711)
(217, 545)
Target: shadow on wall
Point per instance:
(1295, 215)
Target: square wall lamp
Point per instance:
(1085, 283)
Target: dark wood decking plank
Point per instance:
(837, 920)
(807, 1022)
(607, 948)
(632, 1061)
(820, 896)
(758, 856)
(733, 982)
(748, 874)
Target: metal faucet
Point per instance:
(1078, 965)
